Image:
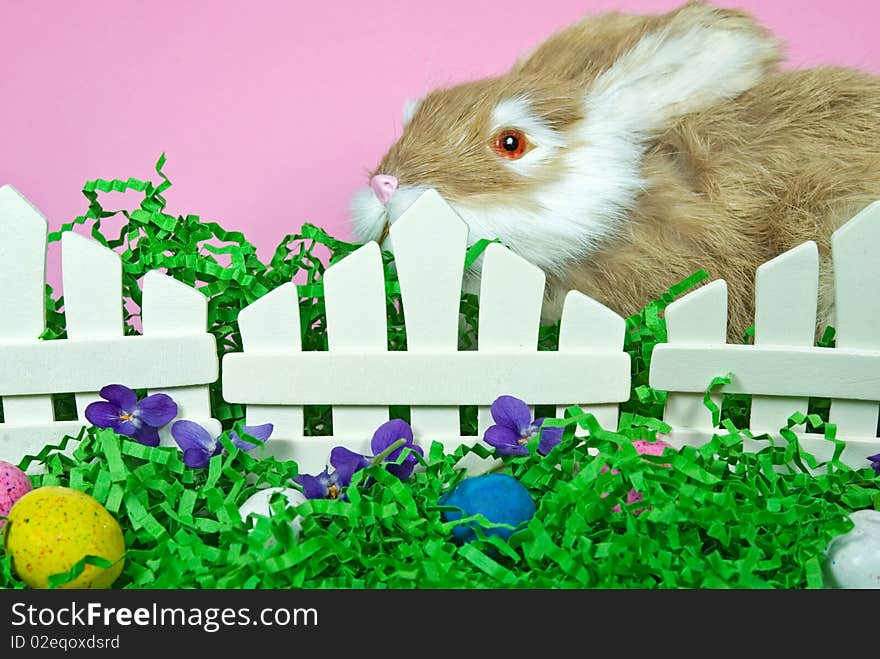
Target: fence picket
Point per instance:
(511, 293)
(92, 280)
(429, 243)
(22, 271)
(271, 324)
(172, 308)
(857, 309)
(354, 293)
(698, 318)
(785, 314)
(589, 324)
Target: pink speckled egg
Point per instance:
(643, 447)
(14, 484)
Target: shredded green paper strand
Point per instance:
(710, 517)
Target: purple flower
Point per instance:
(199, 447)
(331, 486)
(875, 462)
(125, 414)
(346, 463)
(323, 486)
(514, 428)
(389, 433)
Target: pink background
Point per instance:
(272, 112)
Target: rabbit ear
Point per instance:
(649, 70)
(409, 109)
(700, 57)
(581, 51)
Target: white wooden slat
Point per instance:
(271, 325)
(82, 365)
(22, 293)
(854, 418)
(589, 324)
(698, 319)
(511, 293)
(28, 409)
(857, 310)
(770, 371)
(92, 279)
(427, 379)
(786, 291)
(429, 242)
(354, 293)
(171, 308)
(17, 441)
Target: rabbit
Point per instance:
(628, 151)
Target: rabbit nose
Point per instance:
(384, 186)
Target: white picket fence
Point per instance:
(175, 355)
(361, 378)
(783, 368)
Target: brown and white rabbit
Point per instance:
(628, 151)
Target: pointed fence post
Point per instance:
(589, 324)
(354, 295)
(22, 292)
(511, 293)
(698, 318)
(857, 310)
(429, 246)
(271, 324)
(172, 308)
(785, 315)
(92, 278)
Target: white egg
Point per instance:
(853, 559)
(259, 504)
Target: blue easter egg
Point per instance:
(498, 497)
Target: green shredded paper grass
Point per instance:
(710, 517)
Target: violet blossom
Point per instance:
(389, 442)
(875, 462)
(125, 414)
(388, 434)
(323, 486)
(199, 447)
(514, 428)
(331, 486)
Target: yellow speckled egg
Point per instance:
(51, 528)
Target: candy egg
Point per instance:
(259, 503)
(498, 497)
(52, 528)
(14, 484)
(852, 560)
(642, 447)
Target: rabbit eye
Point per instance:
(511, 144)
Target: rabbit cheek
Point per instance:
(368, 214)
